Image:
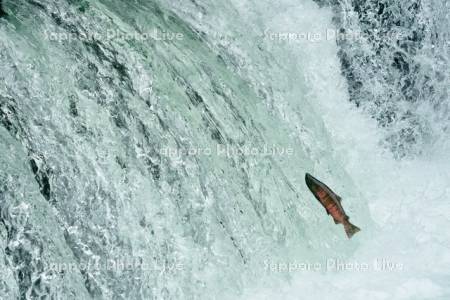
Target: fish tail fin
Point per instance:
(350, 229)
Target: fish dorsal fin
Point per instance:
(339, 199)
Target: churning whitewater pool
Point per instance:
(157, 149)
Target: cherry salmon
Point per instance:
(332, 204)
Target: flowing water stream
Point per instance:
(157, 149)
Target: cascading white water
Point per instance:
(120, 177)
(406, 255)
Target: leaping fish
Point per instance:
(332, 204)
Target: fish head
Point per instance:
(312, 183)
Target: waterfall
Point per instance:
(157, 149)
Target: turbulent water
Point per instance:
(157, 149)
